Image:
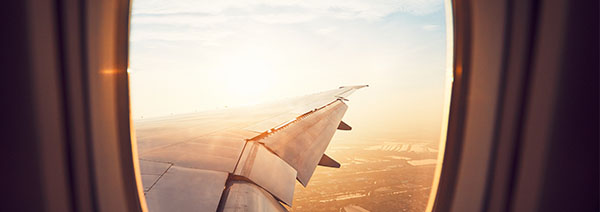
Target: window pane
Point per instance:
(189, 57)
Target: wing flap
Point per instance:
(303, 142)
(245, 196)
(268, 171)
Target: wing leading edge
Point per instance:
(230, 161)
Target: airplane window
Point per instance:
(205, 73)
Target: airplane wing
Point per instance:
(244, 159)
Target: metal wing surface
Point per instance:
(243, 159)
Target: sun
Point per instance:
(249, 76)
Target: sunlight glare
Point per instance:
(249, 75)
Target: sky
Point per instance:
(196, 55)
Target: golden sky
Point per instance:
(191, 56)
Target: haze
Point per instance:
(191, 56)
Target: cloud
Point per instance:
(188, 19)
(430, 27)
(283, 18)
(325, 31)
(209, 22)
(340, 9)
